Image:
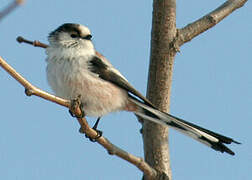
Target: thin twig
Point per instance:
(111, 148)
(10, 8)
(35, 43)
(29, 88)
(192, 30)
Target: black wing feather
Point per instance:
(104, 72)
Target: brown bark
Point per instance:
(193, 29)
(159, 84)
(165, 42)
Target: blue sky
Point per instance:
(212, 85)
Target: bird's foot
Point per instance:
(74, 103)
(99, 133)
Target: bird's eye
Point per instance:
(74, 35)
(88, 37)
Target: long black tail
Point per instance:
(207, 137)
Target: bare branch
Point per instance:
(192, 30)
(111, 148)
(10, 8)
(35, 43)
(29, 88)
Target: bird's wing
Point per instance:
(214, 140)
(107, 72)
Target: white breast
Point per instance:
(69, 76)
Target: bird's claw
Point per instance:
(99, 134)
(74, 103)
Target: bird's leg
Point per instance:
(76, 102)
(99, 133)
(82, 112)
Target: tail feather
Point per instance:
(205, 136)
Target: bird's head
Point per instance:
(71, 35)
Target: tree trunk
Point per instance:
(162, 55)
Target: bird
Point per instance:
(75, 68)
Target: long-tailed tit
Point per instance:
(76, 68)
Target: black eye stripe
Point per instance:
(87, 37)
(74, 35)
